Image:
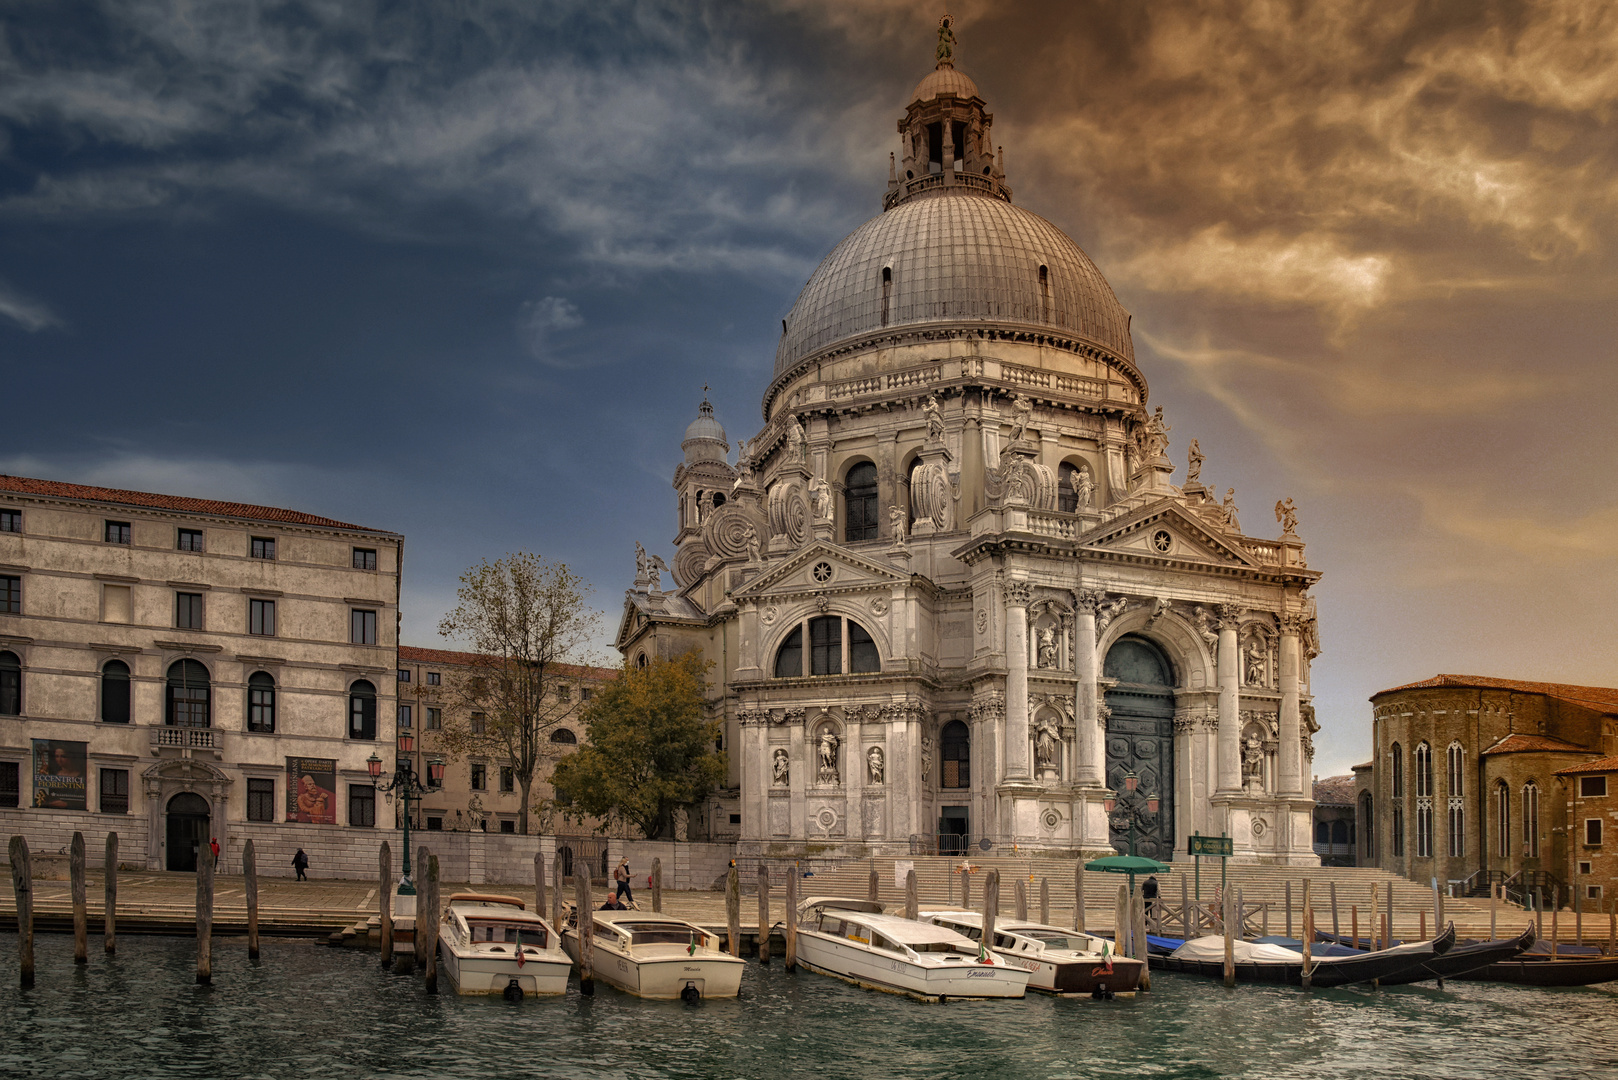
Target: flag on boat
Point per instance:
(983, 955)
(1106, 955)
(520, 958)
(691, 950)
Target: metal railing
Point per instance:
(581, 853)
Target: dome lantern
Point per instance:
(705, 437)
(947, 134)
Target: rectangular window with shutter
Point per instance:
(362, 805)
(187, 611)
(10, 595)
(10, 783)
(261, 800)
(261, 617)
(115, 791)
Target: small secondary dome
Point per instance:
(704, 437)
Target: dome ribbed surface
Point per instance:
(955, 256)
(944, 80)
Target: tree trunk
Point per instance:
(526, 783)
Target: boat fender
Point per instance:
(691, 995)
(513, 991)
(943, 999)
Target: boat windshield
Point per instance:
(666, 935)
(532, 934)
(938, 947)
(1059, 941)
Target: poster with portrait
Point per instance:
(59, 771)
(312, 790)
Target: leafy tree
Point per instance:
(650, 750)
(526, 619)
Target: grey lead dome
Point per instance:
(955, 255)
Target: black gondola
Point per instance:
(1465, 958)
(1270, 964)
(1579, 971)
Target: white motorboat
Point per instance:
(493, 945)
(854, 941)
(657, 956)
(1058, 961)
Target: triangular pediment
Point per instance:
(1168, 531)
(821, 567)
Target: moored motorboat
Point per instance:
(852, 940)
(656, 956)
(1058, 961)
(1268, 963)
(491, 944)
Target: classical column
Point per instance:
(1230, 740)
(854, 771)
(1291, 750)
(1018, 594)
(1091, 748)
(798, 778)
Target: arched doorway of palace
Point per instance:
(1140, 739)
(187, 830)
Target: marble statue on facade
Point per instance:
(829, 742)
(797, 442)
(781, 768)
(873, 765)
(1047, 647)
(926, 756)
(946, 40)
(820, 501)
(751, 541)
(655, 569)
(1287, 515)
(1193, 464)
(1046, 734)
(1228, 510)
(1155, 438)
(898, 521)
(1252, 763)
(641, 565)
(1255, 664)
(1022, 411)
(1084, 489)
(1205, 628)
(744, 464)
(935, 418)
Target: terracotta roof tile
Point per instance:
(1334, 791)
(1367, 765)
(1526, 744)
(24, 485)
(449, 657)
(1602, 764)
(1602, 698)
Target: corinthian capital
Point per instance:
(1292, 623)
(1230, 616)
(1089, 599)
(1019, 593)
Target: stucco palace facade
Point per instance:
(949, 590)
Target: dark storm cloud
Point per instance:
(472, 262)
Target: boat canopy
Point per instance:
(1212, 949)
(841, 903)
(487, 899)
(905, 932)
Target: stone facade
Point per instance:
(1470, 781)
(949, 591)
(164, 659)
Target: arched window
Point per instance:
(10, 684)
(640, 661)
(1502, 813)
(887, 292)
(564, 736)
(1044, 293)
(188, 695)
(1396, 814)
(1530, 820)
(859, 503)
(955, 755)
(826, 645)
(1424, 801)
(362, 711)
(718, 499)
(1457, 770)
(1070, 479)
(1455, 759)
(1396, 759)
(789, 660)
(261, 702)
(862, 655)
(1322, 833)
(827, 635)
(1424, 771)
(1365, 827)
(115, 692)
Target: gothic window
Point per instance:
(1456, 820)
(862, 655)
(826, 645)
(10, 684)
(955, 755)
(362, 711)
(115, 692)
(1396, 829)
(859, 503)
(188, 694)
(1397, 767)
(1424, 801)
(1424, 771)
(1502, 813)
(789, 660)
(1530, 820)
(261, 702)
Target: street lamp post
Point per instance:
(1137, 809)
(409, 788)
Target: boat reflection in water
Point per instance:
(854, 941)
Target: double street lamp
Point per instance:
(409, 787)
(1137, 809)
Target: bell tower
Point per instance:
(705, 477)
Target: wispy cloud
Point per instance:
(30, 314)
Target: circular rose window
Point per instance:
(822, 571)
(1161, 540)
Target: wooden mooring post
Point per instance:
(991, 898)
(109, 907)
(1078, 896)
(1141, 952)
(585, 914)
(1438, 910)
(81, 911)
(250, 879)
(1354, 924)
(427, 924)
(1120, 923)
(733, 909)
(419, 957)
(384, 900)
(539, 884)
(1387, 926)
(204, 916)
(912, 895)
(1019, 898)
(763, 913)
(791, 958)
(873, 887)
(1045, 901)
(1227, 916)
(657, 885)
(1289, 908)
(556, 893)
(1556, 911)
(966, 887)
(1421, 927)
(1336, 930)
(22, 887)
(1185, 909)
(1308, 938)
(1494, 910)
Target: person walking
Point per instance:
(621, 876)
(1148, 892)
(300, 863)
(213, 846)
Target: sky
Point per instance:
(461, 270)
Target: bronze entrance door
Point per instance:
(1140, 738)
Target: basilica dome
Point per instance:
(952, 255)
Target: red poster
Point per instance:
(312, 790)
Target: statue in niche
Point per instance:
(820, 499)
(926, 756)
(935, 418)
(1047, 646)
(1252, 762)
(1084, 489)
(829, 742)
(899, 521)
(797, 441)
(1228, 510)
(750, 540)
(1046, 733)
(1022, 411)
(781, 768)
(873, 765)
(1193, 464)
(1287, 515)
(1255, 664)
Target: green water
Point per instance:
(307, 1010)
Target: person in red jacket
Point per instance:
(213, 846)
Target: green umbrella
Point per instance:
(1128, 864)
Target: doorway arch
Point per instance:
(186, 830)
(1140, 738)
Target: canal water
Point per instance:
(308, 1010)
